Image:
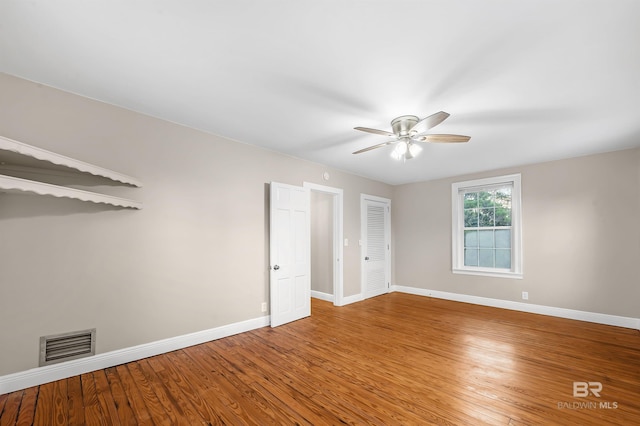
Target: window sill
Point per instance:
(489, 273)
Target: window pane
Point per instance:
(470, 257)
(486, 217)
(486, 258)
(503, 206)
(503, 238)
(486, 199)
(503, 197)
(503, 258)
(471, 239)
(471, 218)
(470, 200)
(485, 239)
(503, 216)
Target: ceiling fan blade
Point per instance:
(444, 138)
(380, 145)
(431, 121)
(375, 131)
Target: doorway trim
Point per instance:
(338, 251)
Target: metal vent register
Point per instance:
(67, 346)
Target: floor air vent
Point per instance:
(67, 346)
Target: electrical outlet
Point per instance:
(525, 295)
(264, 306)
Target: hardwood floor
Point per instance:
(393, 359)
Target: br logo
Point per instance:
(583, 389)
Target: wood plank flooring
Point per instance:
(395, 359)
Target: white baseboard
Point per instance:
(619, 321)
(352, 299)
(41, 375)
(322, 296)
(49, 373)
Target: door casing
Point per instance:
(338, 250)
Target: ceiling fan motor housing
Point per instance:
(403, 124)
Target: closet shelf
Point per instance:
(10, 184)
(24, 150)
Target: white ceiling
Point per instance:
(528, 80)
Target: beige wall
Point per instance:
(322, 242)
(581, 236)
(196, 256)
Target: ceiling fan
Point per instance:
(409, 129)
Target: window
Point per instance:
(486, 234)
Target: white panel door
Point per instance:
(376, 246)
(290, 230)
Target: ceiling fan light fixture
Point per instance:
(399, 151)
(405, 150)
(414, 149)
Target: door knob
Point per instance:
(276, 267)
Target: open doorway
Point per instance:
(326, 243)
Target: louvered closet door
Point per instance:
(376, 274)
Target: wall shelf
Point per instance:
(22, 156)
(23, 150)
(9, 184)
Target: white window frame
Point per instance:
(457, 227)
